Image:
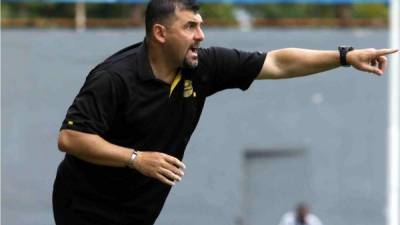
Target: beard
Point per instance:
(190, 64)
(191, 60)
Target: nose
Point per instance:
(199, 36)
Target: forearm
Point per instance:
(295, 62)
(93, 148)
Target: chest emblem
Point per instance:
(188, 89)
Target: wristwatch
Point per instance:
(343, 50)
(132, 159)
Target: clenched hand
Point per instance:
(369, 60)
(160, 166)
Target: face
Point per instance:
(183, 37)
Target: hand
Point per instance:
(369, 60)
(160, 166)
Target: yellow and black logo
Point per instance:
(188, 89)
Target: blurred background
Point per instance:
(231, 13)
(254, 155)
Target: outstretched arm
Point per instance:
(295, 62)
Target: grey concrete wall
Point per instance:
(336, 119)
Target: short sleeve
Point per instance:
(94, 108)
(230, 68)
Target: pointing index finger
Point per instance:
(386, 51)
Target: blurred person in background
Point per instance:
(127, 129)
(300, 216)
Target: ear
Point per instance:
(159, 32)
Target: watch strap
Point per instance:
(343, 50)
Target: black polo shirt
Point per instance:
(123, 102)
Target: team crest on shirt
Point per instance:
(188, 89)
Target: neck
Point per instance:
(162, 68)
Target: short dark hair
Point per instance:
(158, 11)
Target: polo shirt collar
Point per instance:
(144, 67)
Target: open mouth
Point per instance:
(191, 58)
(193, 49)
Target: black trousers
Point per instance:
(70, 209)
(82, 198)
(62, 201)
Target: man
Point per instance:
(126, 131)
(301, 216)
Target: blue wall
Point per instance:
(338, 119)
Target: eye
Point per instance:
(191, 26)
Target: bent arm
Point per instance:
(296, 62)
(93, 148)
